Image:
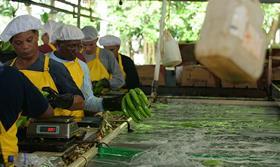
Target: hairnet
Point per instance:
(69, 32)
(90, 33)
(109, 40)
(50, 28)
(20, 24)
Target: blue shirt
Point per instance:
(92, 103)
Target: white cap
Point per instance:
(69, 32)
(20, 24)
(109, 40)
(90, 33)
(50, 28)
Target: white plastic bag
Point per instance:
(172, 55)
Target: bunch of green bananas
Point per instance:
(97, 88)
(6, 46)
(44, 93)
(22, 121)
(136, 105)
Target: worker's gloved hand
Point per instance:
(57, 100)
(112, 103)
(104, 83)
(98, 86)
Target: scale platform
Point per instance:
(55, 134)
(53, 128)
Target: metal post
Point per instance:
(269, 71)
(159, 52)
(79, 14)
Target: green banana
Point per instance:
(97, 89)
(144, 101)
(142, 112)
(137, 103)
(44, 93)
(145, 107)
(134, 96)
(143, 96)
(131, 109)
(22, 120)
(124, 108)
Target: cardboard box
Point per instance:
(146, 74)
(196, 76)
(276, 73)
(242, 85)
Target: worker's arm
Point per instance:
(132, 78)
(48, 112)
(78, 103)
(113, 68)
(18, 95)
(66, 86)
(92, 103)
(34, 104)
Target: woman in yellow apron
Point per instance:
(101, 63)
(126, 64)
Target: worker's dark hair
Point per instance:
(34, 31)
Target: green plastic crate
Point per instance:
(117, 152)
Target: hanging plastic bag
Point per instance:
(172, 55)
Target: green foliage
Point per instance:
(6, 9)
(271, 11)
(44, 17)
(5, 46)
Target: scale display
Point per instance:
(47, 129)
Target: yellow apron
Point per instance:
(77, 74)
(52, 47)
(97, 69)
(44, 79)
(121, 65)
(8, 141)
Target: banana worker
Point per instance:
(103, 66)
(69, 43)
(51, 31)
(18, 97)
(48, 38)
(46, 74)
(127, 65)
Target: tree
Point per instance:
(137, 22)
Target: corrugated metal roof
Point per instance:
(262, 1)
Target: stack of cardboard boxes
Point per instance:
(146, 74)
(196, 76)
(276, 73)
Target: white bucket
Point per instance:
(172, 54)
(232, 42)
